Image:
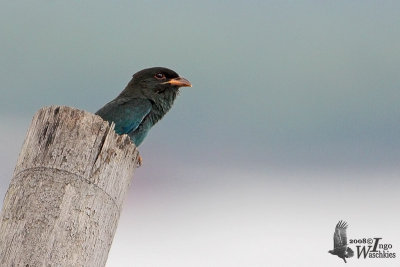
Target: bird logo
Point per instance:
(340, 242)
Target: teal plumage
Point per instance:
(144, 101)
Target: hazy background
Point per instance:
(292, 124)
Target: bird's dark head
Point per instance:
(155, 83)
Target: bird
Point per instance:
(147, 97)
(340, 242)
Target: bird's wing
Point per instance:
(127, 114)
(340, 235)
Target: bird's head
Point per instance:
(155, 83)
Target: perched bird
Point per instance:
(340, 242)
(143, 102)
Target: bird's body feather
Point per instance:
(126, 113)
(145, 100)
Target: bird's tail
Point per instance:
(349, 253)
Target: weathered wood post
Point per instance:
(65, 197)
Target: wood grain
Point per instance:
(67, 190)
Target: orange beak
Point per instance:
(180, 82)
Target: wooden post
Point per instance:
(65, 197)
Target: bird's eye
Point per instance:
(159, 76)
